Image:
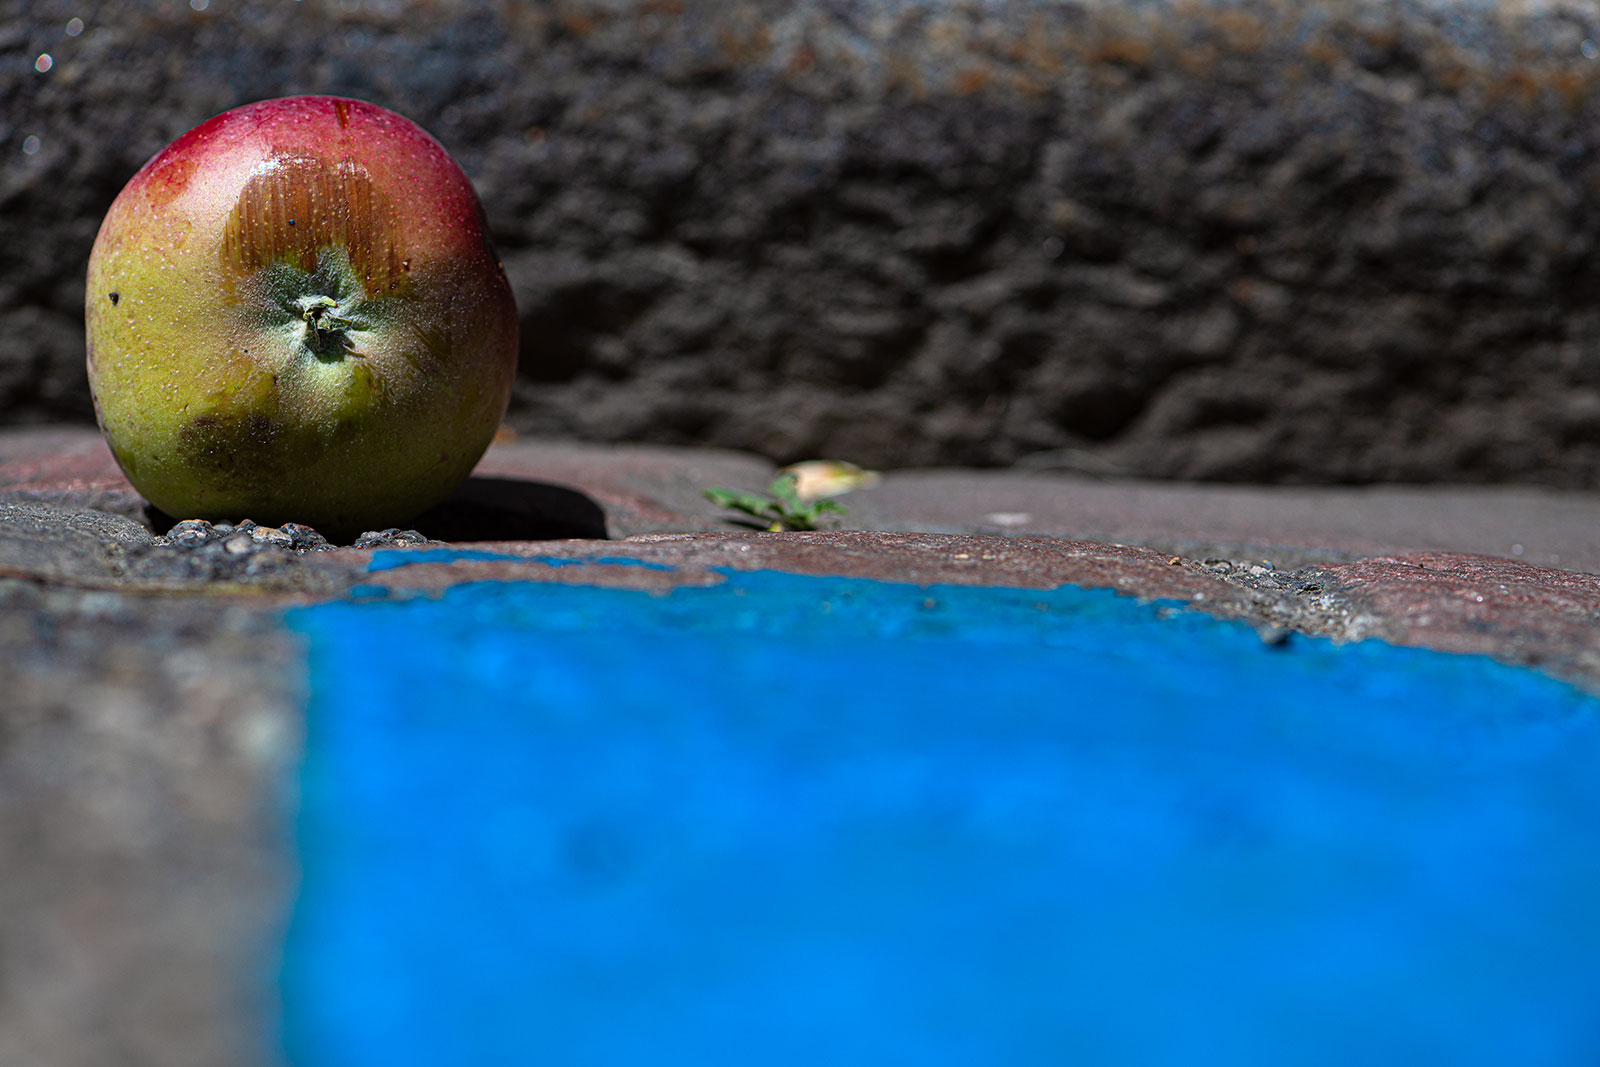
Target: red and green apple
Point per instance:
(295, 313)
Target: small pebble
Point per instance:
(191, 532)
(392, 536)
(304, 536)
(1274, 636)
(271, 535)
(237, 544)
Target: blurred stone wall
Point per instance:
(1307, 240)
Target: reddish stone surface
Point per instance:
(659, 490)
(57, 461)
(1459, 603)
(1425, 567)
(921, 559)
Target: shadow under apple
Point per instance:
(512, 509)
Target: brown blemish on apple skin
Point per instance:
(243, 450)
(250, 455)
(250, 451)
(114, 298)
(294, 206)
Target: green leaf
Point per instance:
(783, 491)
(783, 510)
(749, 503)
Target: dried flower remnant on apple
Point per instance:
(330, 340)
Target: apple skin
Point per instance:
(295, 313)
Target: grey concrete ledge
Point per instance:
(1332, 241)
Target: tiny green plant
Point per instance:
(779, 508)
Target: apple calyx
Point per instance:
(317, 312)
(320, 309)
(327, 327)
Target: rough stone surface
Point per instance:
(56, 543)
(1290, 525)
(1273, 240)
(545, 490)
(1455, 569)
(1520, 613)
(144, 745)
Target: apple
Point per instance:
(295, 313)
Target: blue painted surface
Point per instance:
(792, 820)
